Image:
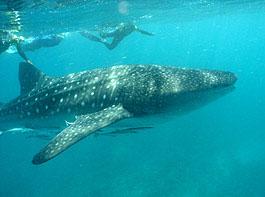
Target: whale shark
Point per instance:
(80, 104)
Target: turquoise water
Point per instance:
(217, 150)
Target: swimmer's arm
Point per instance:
(143, 32)
(21, 52)
(84, 33)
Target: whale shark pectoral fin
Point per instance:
(83, 126)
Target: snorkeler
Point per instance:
(118, 34)
(43, 41)
(12, 40)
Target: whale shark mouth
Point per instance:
(189, 101)
(224, 79)
(206, 96)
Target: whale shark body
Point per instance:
(84, 103)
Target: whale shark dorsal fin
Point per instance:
(29, 76)
(83, 126)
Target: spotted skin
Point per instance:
(83, 126)
(138, 89)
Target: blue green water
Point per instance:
(217, 150)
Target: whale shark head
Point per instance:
(187, 89)
(218, 79)
(193, 80)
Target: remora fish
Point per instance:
(92, 100)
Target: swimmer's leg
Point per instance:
(144, 32)
(104, 34)
(22, 54)
(113, 44)
(110, 46)
(91, 37)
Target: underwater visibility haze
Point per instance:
(167, 97)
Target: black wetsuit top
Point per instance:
(4, 46)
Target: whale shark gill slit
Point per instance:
(82, 127)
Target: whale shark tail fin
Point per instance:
(29, 76)
(78, 130)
